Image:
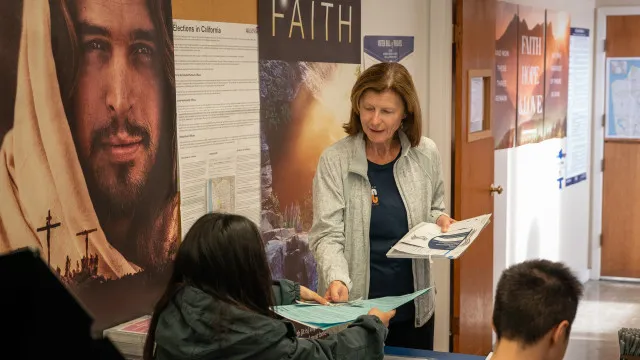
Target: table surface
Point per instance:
(395, 353)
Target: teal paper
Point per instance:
(325, 317)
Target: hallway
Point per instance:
(606, 307)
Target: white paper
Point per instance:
(427, 240)
(578, 110)
(476, 103)
(218, 119)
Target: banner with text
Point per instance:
(309, 59)
(531, 47)
(578, 115)
(398, 49)
(218, 119)
(506, 87)
(556, 74)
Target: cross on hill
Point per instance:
(48, 228)
(86, 233)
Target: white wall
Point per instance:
(430, 23)
(533, 218)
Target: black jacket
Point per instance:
(185, 331)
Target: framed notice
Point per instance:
(622, 99)
(479, 104)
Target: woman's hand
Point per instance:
(444, 222)
(307, 295)
(337, 292)
(383, 316)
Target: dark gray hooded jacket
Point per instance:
(185, 331)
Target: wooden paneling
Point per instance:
(623, 33)
(621, 178)
(473, 272)
(236, 11)
(621, 210)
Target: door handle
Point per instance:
(495, 189)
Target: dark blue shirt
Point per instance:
(389, 223)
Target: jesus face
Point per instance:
(117, 101)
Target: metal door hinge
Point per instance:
(601, 240)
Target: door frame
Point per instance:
(438, 125)
(597, 131)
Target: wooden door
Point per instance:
(473, 173)
(621, 178)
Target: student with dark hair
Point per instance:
(218, 302)
(535, 304)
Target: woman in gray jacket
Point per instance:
(218, 302)
(370, 188)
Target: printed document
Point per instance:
(426, 239)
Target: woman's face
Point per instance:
(381, 115)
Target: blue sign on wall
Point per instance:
(388, 48)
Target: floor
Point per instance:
(606, 307)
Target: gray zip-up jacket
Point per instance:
(339, 236)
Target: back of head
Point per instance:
(222, 255)
(532, 298)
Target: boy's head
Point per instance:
(535, 305)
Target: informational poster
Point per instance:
(506, 87)
(623, 98)
(556, 74)
(398, 49)
(310, 54)
(578, 114)
(531, 47)
(218, 117)
(88, 161)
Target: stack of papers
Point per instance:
(426, 239)
(129, 338)
(325, 317)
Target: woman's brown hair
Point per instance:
(384, 77)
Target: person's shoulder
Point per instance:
(339, 150)
(426, 147)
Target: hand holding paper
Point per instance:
(337, 292)
(385, 317)
(444, 222)
(308, 295)
(430, 240)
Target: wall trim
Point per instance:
(438, 128)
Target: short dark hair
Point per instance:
(382, 77)
(532, 297)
